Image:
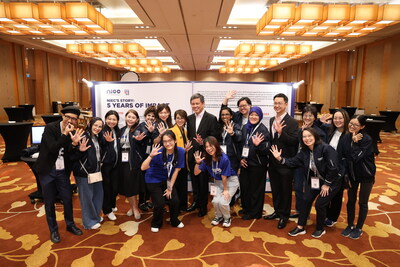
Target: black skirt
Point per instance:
(132, 181)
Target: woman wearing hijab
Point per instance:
(255, 144)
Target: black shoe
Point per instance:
(248, 217)
(294, 215)
(150, 205)
(242, 212)
(144, 207)
(55, 237)
(282, 223)
(202, 212)
(192, 207)
(297, 231)
(271, 216)
(75, 230)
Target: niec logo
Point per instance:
(113, 91)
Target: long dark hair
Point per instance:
(314, 133)
(170, 134)
(362, 120)
(134, 112)
(109, 113)
(221, 122)
(90, 125)
(218, 151)
(346, 122)
(161, 107)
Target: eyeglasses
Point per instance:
(243, 106)
(169, 141)
(70, 118)
(354, 125)
(225, 115)
(279, 103)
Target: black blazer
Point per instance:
(258, 155)
(287, 141)
(52, 142)
(137, 152)
(237, 117)
(208, 127)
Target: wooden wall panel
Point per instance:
(392, 99)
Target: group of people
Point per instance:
(149, 163)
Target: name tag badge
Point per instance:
(60, 164)
(314, 182)
(223, 148)
(148, 149)
(245, 152)
(213, 190)
(125, 156)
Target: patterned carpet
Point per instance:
(25, 238)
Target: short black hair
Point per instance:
(361, 119)
(314, 133)
(312, 109)
(245, 98)
(197, 95)
(285, 98)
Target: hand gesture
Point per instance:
(161, 129)
(77, 136)
(155, 151)
(188, 146)
(69, 128)
(305, 125)
(197, 157)
(150, 126)
(140, 136)
(324, 190)
(83, 144)
(109, 136)
(243, 163)
(325, 117)
(226, 195)
(275, 152)
(257, 138)
(229, 127)
(231, 94)
(279, 126)
(198, 139)
(356, 137)
(167, 193)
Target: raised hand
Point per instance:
(155, 151)
(150, 126)
(356, 137)
(229, 127)
(257, 138)
(109, 136)
(275, 152)
(83, 144)
(279, 126)
(305, 125)
(69, 128)
(188, 145)
(243, 163)
(198, 139)
(231, 94)
(197, 157)
(77, 136)
(161, 129)
(140, 136)
(325, 117)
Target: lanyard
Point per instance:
(214, 169)
(170, 167)
(225, 133)
(251, 134)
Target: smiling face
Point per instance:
(308, 118)
(226, 116)
(168, 143)
(130, 119)
(150, 117)
(338, 120)
(210, 149)
(180, 121)
(308, 139)
(355, 126)
(254, 118)
(164, 114)
(197, 105)
(280, 105)
(244, 108)
(111, 121)
(70, 118)
(97, 127)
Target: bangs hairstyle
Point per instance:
(170, 134)
(285, 98)
(181, 113)
(150, 109)
(346, 122)
(220, 112)
(314, 133)
(310, 108)
(134, 112)
(361, 119)
(90, 125)
(211, 140)
(245, 98)
(160, 108)
(108, 114)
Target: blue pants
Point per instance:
(57, 182)
(91, 199)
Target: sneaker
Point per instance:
(129, 213)
(346, 232)
(112, 216)
(115, 209)
(155, 229)
(217, 220)
(356, 233)
(318, 233)
(297, 231)
(329, 223)
(227, 222)
(144, 207)
(181, 225)
(96, 226)
(101, 219)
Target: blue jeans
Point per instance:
(91, 199)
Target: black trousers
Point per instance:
(110, 187)
(252, 189)
(320, 205)
(157, 191)
(334, 208)
(57, 183)
(363, 197)
(200, 190)
(281, 178)
(181, 187)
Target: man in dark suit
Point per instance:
(54, 168)
(284, 131)
(200, 125)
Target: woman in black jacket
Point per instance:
(253, 170)
(320, 163)
(110, 167)
(361, 173)
(87, 160)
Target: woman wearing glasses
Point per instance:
(162, 167)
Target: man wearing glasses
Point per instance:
(244, 104)
(54, 168)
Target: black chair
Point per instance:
(391, 117)
(15, 137)
(300, 105)
(333, 110)
(317, 105)
(28, 116)
(373, 128)
(15, 113)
